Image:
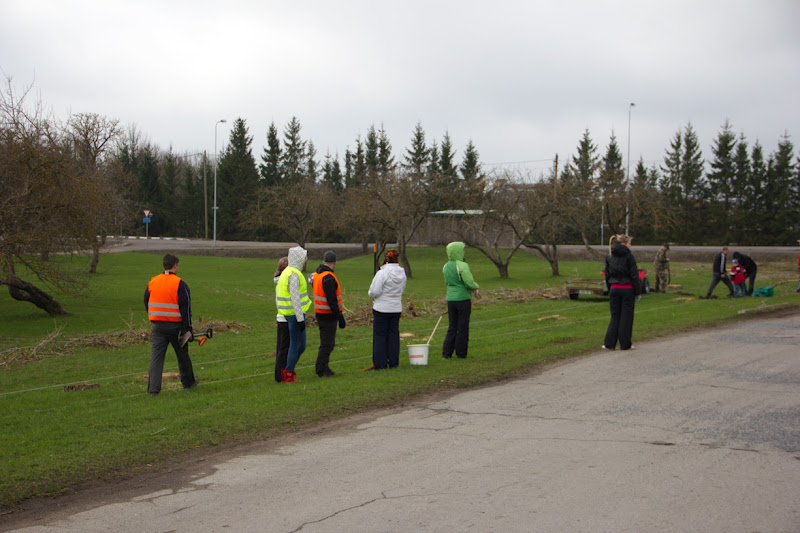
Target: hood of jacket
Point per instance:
(323, 268)
(297, 257)
(455, 251)
(394, 272)
(387, 288)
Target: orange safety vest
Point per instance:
(320, 300)
(163, 303)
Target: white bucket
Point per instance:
(418, 354)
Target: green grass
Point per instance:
(51, 439)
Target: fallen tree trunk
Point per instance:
(28, 292)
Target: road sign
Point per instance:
(146, 220)
(147, 213)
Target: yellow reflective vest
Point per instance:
(283, 300)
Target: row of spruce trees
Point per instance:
(740, 194)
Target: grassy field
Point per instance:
(51, 438)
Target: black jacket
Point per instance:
(720, 264)
(621, 268)
(747, 262)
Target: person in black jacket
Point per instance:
(624, 285)
(328, 310)
(719, 272)
(750, 267)
(168, 302)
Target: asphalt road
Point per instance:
(643, 253)
(699, 432)
(158, 243)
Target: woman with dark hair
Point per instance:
(624, 285)
(386, 291)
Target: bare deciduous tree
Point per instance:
(44, 197)
(550, 231)
(297, 210)
(93, 136)
(508, 214)
(400, 202)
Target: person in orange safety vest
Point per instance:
(328, 309)
(169, 308)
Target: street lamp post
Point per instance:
(205, 193)
(628, 174)
(221, 121)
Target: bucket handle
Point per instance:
(434, 329)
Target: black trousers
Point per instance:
(457, 337)
(162, 335)
(282, 350)
(327, 341)
(621, 303)
(385, 339)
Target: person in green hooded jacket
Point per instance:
(460, 286)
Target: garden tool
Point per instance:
(201, 339)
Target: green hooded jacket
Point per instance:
(457, 275)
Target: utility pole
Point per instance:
(205, 192)
(216, 164)
(628, 175)
(555, 178)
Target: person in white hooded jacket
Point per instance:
(386, 291)
(293, 302)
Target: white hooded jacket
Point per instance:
(297, 259)
(386, 289)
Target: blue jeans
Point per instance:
(297, 342)
(740, 289)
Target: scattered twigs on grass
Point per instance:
(549, 317)
(53, 345)
(524, 295)
(26, 354)
(81, 386)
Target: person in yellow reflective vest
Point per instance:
(169, 308)
(328, 310)
(293, 302)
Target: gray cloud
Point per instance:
(523, 80)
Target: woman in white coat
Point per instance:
(386, 291)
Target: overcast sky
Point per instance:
(522, 79)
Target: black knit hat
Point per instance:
(329, 257)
